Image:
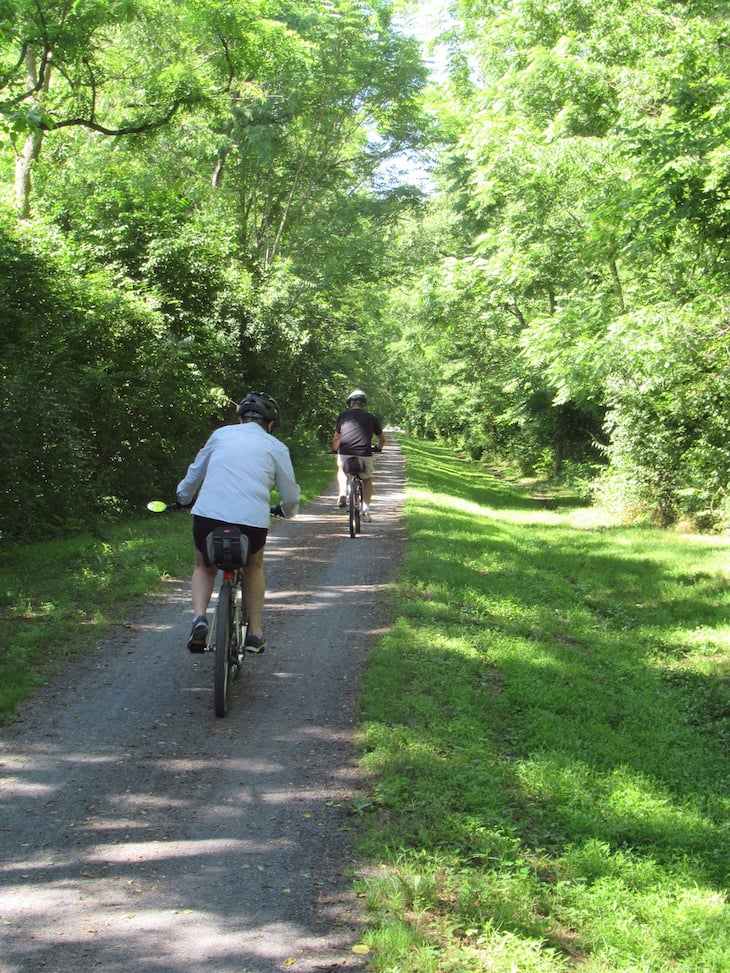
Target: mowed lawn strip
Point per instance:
(546, 732)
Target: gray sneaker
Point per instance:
(254, 643)
(198, 634)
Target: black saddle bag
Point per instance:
(354, 464)
(226, 547)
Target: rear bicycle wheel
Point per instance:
(358, 506)
(352, 515)
(223, 632)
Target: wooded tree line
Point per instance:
(574, 288)
(195, 203)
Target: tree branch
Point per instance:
(93, 126)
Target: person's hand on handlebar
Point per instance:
(277, 511)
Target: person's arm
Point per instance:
(378, 431)
(287, 486)
(337, 437)
(188, 486)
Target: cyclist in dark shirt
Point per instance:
(355, 430)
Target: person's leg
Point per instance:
(254, 586)
(341, 480)
(342, 484)
(367, 481)
(202, 584)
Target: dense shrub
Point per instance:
(101, 407)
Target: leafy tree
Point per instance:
(174, 273)
(344, 99)
(98, 410)
(588, 170)
(105, 67)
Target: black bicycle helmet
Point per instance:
(259, 405)
(357, 396)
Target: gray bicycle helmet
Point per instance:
(357, 396)
(259, 405)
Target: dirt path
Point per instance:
(141, 834)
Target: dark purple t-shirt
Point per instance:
(357, 428)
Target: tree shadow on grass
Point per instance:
(546, 699)
(437, 470)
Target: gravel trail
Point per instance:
(141, 834)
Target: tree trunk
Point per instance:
(617, 289)
(32, 147)
(23, 169)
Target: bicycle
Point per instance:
(227, 548)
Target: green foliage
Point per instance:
(560, 302)
(96, 393)
(231, 236)
(577, 309)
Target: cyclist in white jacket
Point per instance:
(235, 472)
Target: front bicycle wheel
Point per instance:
(223, 632)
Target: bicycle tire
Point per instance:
(358, 507)
(223, 632)
(351, 507)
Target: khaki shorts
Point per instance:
(367, 460)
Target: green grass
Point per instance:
(57, 598)
(545, 727)
(545, 730)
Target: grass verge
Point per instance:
(58, 597)
(546, 733)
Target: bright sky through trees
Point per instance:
(425, 20)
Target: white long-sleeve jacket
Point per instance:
(236, 471)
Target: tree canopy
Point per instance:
(586, 175)
(201, 198)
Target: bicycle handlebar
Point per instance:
(375, 449)
(159, 506)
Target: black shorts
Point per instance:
(202, 526)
